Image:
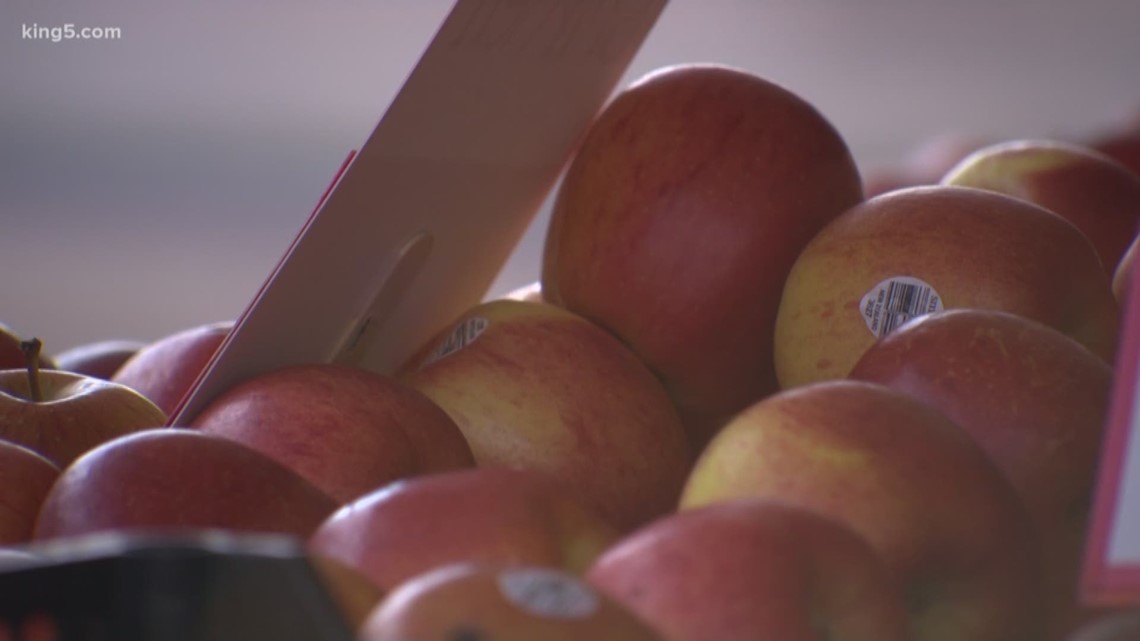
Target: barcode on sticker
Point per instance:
(897, 300)
(462, 335)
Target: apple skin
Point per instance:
(346, 430)
(100, 359)
(748, 569)
(76, 414)
(473, 602)
(1098, 195)
(25, 478)
(492, 515)
(1122, 275)
(1034, 399)
(542, 388)
(679, 218)
(975, 248)
(176, 479)
(165, 370)
(898, 472)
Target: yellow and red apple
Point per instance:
(919, 250)
(473, 601)
(753, 569)
(926, 497)
(679, 218)
(533, 386)
(491, 515)
(1098, 195)
(1034, 399)
(345, 429)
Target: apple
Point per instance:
(165, 370)
(346, 430)
(534, 386)
(175, 479)
(493, 515)
(922, 249)
(753, 569)
(1094, 192)
(679, 218)
(927, 498)
(1122, 275)
(1122, 625)
(62, 414)
(473, 602)
(25, 478)
(1034, 399)
(100, 359)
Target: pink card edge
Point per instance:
(1101, 583)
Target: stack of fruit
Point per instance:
(746, 399)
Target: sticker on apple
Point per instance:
(896, 300)
(548, 593)
(462, 335)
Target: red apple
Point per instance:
(25, 478)
(1034, 399)
(346, 430)
(751, 569)
(922, 249)
(679, 218)
(492, 515)
(164, 370)
(536, 387)
(897, 471)
(473, 602)
(61, 415)
(170, 479)
(1098, 195)
(100, 359)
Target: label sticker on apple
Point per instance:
(462, 335)
(896, 300)
(548, 593)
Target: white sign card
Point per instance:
(423, 217)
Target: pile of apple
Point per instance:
(746, 400)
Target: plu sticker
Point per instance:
(548, 593)
(896, 300)
(462, 335)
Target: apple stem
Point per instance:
(32, 357)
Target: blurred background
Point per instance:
(150, 183)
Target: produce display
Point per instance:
(752, 394)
